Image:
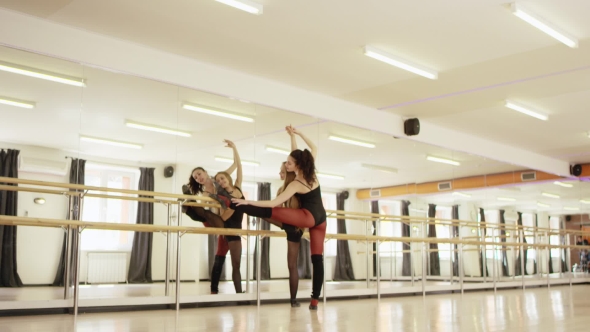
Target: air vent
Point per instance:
(442, 186)
(375, 193)
(528, 176)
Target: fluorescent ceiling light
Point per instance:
(457, 193)
(443, 160)
(543, 205)
(245, 5)
(157, 129)
(330, 176)
(244, 162)
(380, 168)
(524, 110)
(351, 141)
(507, 199)
(110, 142)
(569, 208)
(17, 103)
(210, 111)
(538, 23)
(550, 195)
(563, 184)
(400, 63)
(585, 201)
(37, 73)
(418, 210)
(278, 150)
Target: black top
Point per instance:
(235, 221)
(312, 201)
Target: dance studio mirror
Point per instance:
(126, 128)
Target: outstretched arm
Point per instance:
(293, 138)
(291, 190)
(312, 147)
(236, 165)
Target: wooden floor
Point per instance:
(561, 308)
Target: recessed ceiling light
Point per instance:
(278, 150)
(543, 205)
(506, 199)
(37, 73)
(210, 111)
(157, 129)
(539, 23)
(443, 160)
(245, 5)
(330, 176)
(17, 103)
(563, 184)
(351, 141)
(110, 142)
(550, 195)
(400, 63)
(457, 193)
(380, 168)
(244, 162)
(570, 208)
(525, 110)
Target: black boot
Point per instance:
(317, 280)
(216, 273)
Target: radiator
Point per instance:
(107, 267)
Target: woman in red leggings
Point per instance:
(311, 213)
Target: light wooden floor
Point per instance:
(540, 309)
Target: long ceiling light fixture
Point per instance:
(458, 193)
(443, 160)
(570, 208)
(277, 150)
(17, 103)
(110, 142)
(585, 201)
(377, 54)
(244, 162)
(330, 176)
(245, 5)
(506, 199)
(525, 110)
(157, 129)
(543, 205)
(542, 25)
(550, 195)
(380, 168)
(210, 111)
(563, 184)
(351, 141)
(37, 73)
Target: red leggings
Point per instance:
(222, 246)
(302, 218)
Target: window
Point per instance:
(554, 239)
(109, 210)
(492, 217)
(443, 231)
(528, 219)
(329, 200)
(388, 228)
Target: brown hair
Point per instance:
(196, 188)
(226, 174)
(306, 164)
(292, 202)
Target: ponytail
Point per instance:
(306, 164)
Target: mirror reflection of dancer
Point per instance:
(201, 183)
(311, 213)
(232, 220)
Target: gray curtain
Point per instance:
(536, 224)
(505, 271)
(263, 195)
(407, 256)
(482, 264)
(343, 269)
(8, 206)
(517, 270)
(455, 235)
(140, 263)
(374, 209)
(304, 260)
(564, 267)
(77, 168)
(434, 258)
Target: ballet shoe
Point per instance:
(214, 292)
(295, 304)
(313, 305)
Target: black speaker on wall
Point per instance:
(568, 218)
(412, 127)
(576, 170)
(168, 171)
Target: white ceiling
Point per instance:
(483, 54)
